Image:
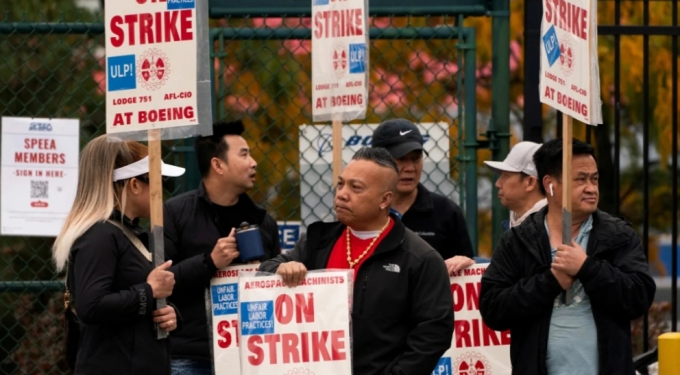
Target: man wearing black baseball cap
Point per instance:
(435, 218)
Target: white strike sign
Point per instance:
(151, 49)
(475, 348)
(301, 330)
(339, 59)
(224, 302)
(570, 79)
(39, 174)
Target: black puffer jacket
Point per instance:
(402, 315)
(519, 290)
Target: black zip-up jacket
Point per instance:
(114, 303)
(191, 228)
(402, 321)
(440, 222)
(519, 290)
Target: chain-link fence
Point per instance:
(263, 74)
(53, 66)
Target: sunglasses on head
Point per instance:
(145, 179)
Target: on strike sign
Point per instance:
(339, 59)
(570, 79)
(295, 331)
(475, 348)
(224, 302)
(150, 64)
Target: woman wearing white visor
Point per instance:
(111, 281)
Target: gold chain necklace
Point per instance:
(349, 247)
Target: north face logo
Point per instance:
(392, 268)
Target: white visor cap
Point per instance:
(520, 159)
(141, 167)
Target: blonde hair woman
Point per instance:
(111, 279)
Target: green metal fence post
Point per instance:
(459, 96)
(499, 130)
(221, 54)
(471, 145)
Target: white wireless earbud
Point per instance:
(551, 191)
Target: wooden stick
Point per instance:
(567, 136)
(337, 150)
(156, 193)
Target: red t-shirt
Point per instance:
(338, 258)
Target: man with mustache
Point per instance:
(402, 315)
(435, 218)
(604, 268)
(199, 237)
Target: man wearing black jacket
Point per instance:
(199, 237)
(435, 218)
(604, 268)
(402, 315)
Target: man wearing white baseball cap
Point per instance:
(518, 186)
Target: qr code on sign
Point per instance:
(39, 189)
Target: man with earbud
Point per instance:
(604, 268)
(518, 186)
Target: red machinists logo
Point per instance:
(340, 61)
(472, 364)
(153, 69)
(567, 58)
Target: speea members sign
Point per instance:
(570, 78)
(39, 174)
(151, 62)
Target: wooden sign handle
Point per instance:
(337, 150)
(156, 242)
(567, 135)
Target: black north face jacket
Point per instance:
(519, 290)
(402, 315)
